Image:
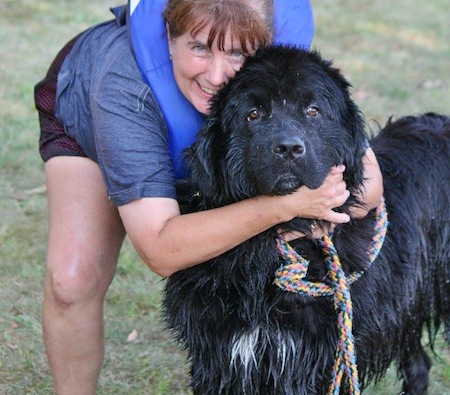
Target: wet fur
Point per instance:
(244, 335)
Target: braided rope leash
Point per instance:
(291, 277)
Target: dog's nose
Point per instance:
(289, 147)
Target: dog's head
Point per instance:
(282, 122)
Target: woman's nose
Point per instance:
(219, 71)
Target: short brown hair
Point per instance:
(250, 20)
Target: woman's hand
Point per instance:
(333, 194)
(319, 203)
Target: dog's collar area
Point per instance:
(291, 277)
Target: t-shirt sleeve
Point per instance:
(130, 134)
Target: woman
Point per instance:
(110, 171)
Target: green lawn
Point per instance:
(396, 54)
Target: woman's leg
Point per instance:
(85, 237)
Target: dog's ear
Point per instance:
(353, 121)
(213, 166)
(350, 114)
(202, 164)
(355, 124)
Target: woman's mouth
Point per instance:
(207, 90)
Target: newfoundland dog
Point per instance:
(284, 120)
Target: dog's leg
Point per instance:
(414, 370)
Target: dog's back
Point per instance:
(414, 156)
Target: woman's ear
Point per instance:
(169, 39)
(168, 31)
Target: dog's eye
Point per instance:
(252, 115)
(312, 111)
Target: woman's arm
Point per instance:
(168, 242)
(372, 186)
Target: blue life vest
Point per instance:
(294, 25)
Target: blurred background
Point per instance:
(395, 54)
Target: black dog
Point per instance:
(283, 122)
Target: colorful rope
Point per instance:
(291, 277)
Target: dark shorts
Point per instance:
(53, 141)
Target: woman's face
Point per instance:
(200, 71)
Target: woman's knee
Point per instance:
(78, 279)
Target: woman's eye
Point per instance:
(237, 54)
(312, 111)
(200, 48)
(252, 115)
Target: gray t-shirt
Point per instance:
(105, 105)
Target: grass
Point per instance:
(395, 54)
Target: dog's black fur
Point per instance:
(282, 122)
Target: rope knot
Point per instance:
(291, 277)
